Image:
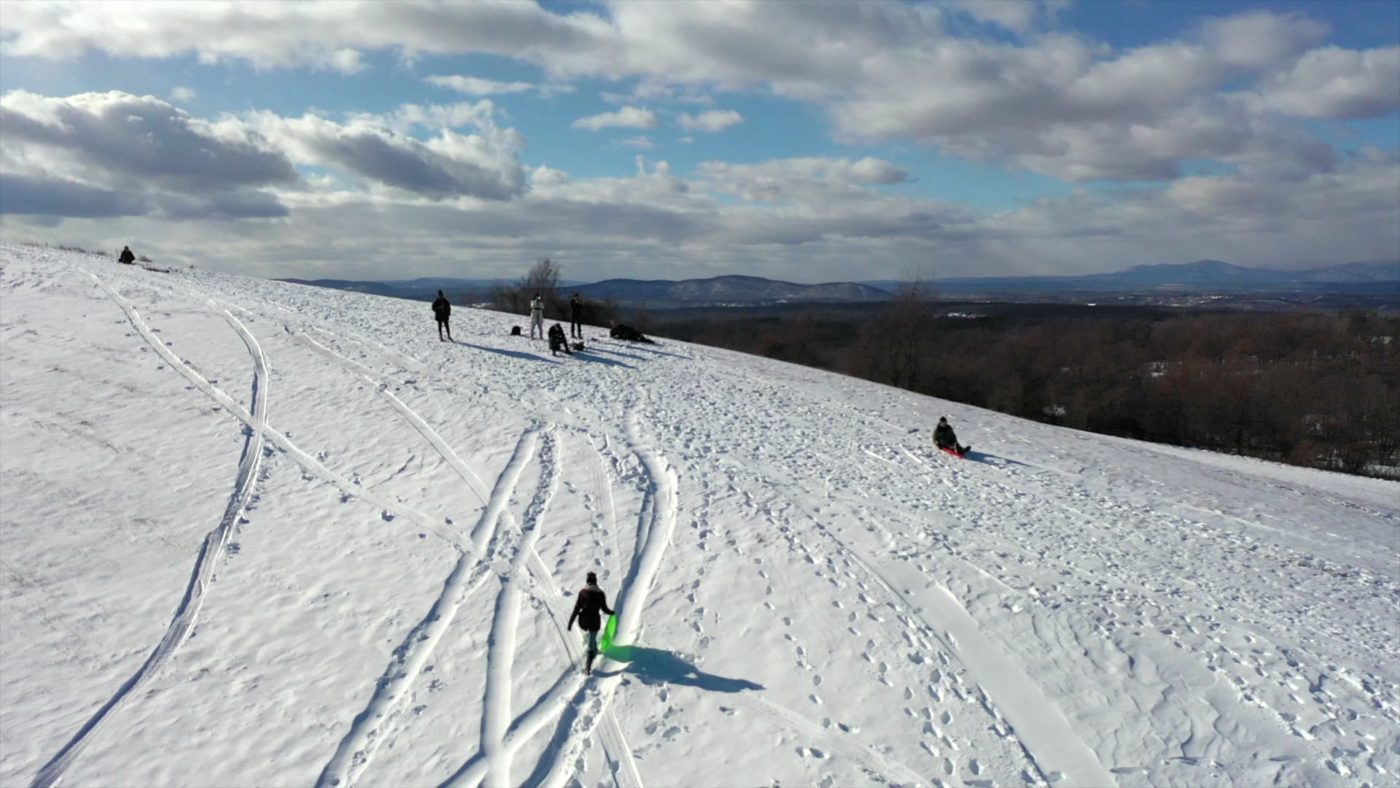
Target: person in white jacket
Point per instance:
(537, 316)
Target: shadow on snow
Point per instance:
(586, 355)
(512, 353)
(656, 666)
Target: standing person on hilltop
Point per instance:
(442, 310)
(591, 600)
(126, 256)
(537, 316)
(576, 317)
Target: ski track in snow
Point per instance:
(211, 552)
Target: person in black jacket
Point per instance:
(591, 601)
(576, 317)
(944, 438)
(624, 331)
(126, 256)
(557, 341)
(442, 310)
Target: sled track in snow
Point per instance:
(500, 655)
(655, 524)
(308, 463)
(357, 748)
(581, 708)
(211, 551)
(506, 743)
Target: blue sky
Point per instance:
(799, 141)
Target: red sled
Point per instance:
(954, 452)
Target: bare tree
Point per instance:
(542, 278)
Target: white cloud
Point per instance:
(640, 142)
(543, 177)
(1055, 103)
(408, 117)
(474, 86)
(183, 94)
(157, 157)
(801, 179)
(1334, 83)
(628, 117)
(657, 224)
(652, 90)
(482, 165)
(712, 120)
(328, 36)
(1018, 16)
(1260, 39)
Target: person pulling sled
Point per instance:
(591, 601)
(946, 440)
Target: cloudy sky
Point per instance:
(805, 141)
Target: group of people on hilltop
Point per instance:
(442, 312)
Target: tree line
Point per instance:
(1309, 388)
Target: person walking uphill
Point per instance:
(576, 317)
(537, 316)
(591, 601)
(442, 310)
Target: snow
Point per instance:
(254, 533)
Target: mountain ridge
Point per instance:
(748, 290)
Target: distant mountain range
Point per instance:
(1204, 276)
(1200, 276)
(727, 291)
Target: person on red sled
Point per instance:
(945, 439)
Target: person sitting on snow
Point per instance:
(126, 256)
(945, 439)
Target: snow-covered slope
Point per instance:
(253, 533)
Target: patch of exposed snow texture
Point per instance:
(259, 533)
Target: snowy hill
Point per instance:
(259, 534)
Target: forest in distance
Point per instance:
(1315, 388)
(1310, 388)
